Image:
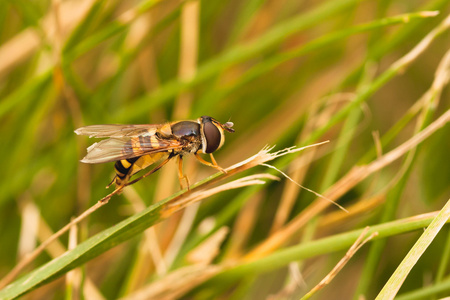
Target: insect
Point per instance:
(136, 147)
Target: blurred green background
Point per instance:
(282, 71)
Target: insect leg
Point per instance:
(213, 164)
(112, 181)
(151, 172)
(181, 176)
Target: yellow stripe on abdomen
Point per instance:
(146, 160)
(128, 167)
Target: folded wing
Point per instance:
(114, 149)
(117, 130)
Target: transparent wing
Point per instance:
(119, 148)
(118, 130)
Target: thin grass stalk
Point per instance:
(431, 99)
(321, 246)
(395, 129)
(148, 251)
(348, 131)
(362, 207)
(246, 18)
(205, 253)
(20, 150)
(360, 241)
(390, 43)
(83, 26)
(246, 222)
(427, 292)
(30, 40)
(290, 195)
(346, 134)
(396, 280)
(75, 278)
(445, 259)
(24, 94)
(355, 176)
(245, 285)
(226, 214)
(297, 171)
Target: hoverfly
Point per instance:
(136, 147)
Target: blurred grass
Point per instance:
(285, 73)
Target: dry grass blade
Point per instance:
(355, 176)
(350, 253)
(180, 281)
(178, 204)
(264, 156)
(30, 225)
(32, 256)
(176, 283)
(362, 207)
(246, 222)
(300, 166)
(28, 41)
(305, 188)
(209, 249)
(74, 277)
(291, 189)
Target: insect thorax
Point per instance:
(188, 132)
(191, 144)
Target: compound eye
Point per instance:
(212, 137)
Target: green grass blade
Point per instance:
(398, 277)
(322, 246)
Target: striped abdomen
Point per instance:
(142, 144)
(125, 168)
